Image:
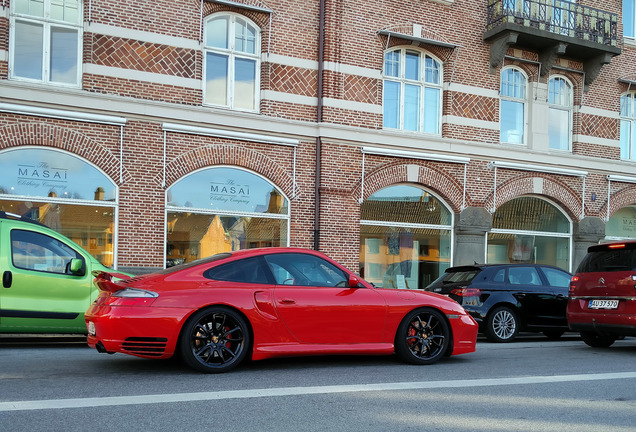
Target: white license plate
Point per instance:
(603, 304)
(91, 328)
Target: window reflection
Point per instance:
(405, 238)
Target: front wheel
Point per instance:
(423, 337)
(596, 340)
(214, 340)
(502, 325)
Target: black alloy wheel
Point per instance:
(596, 340)
(423, 337)
(502, 325)
(215, 340)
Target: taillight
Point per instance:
(131, 297)
(466, 292)
(573, 283)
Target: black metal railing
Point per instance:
(560, 17)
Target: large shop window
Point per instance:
(46, 40)
(530, 230)
(223, 209)
(512, 106)
(622, 224)
(405, 238)
(412, 91)
(63, 192)
(232, 62)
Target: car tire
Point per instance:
(423, 337)
(214, 340)
(553, 334)
(596, 340)
(502, 325)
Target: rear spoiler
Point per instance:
(104, 280)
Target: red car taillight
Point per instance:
(466, 292)
(573, 283)
(131, 297)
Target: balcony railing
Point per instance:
(560, 17)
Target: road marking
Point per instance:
(51, 404)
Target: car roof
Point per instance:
(471, 267)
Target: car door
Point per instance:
(558, 283)
(534, 297)
(39, 294)
(315, 301)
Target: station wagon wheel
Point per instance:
(596, 340)
(214, 340)
(423, 337)
(502, 325)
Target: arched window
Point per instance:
(512, 106)
(560, 101)
(530, 230)
(46, 40)
(223, 209)
(405, 237)
(232, 62)
(63, 192)
(628, 129)
(622, 224)
(412, 91)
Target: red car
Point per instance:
(262, 303)
(602, 304)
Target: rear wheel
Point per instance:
(502, 325)
(215, 340)
(423, 337)
(596, 340)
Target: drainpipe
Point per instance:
(321, 52)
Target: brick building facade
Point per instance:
(499, 112)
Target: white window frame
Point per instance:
(232, 55)
(628, 116)
(47, 23)
(421, 83)
(564, 103)
(522, 100)
(631, 17)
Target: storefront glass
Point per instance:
(622, 224)
(405, 238)
(223, 209)
(63, 192)
(530, 230)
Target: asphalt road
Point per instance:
(532, 385)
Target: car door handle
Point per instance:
(520, 295)
(561, 297)
(286, 301)
(7, 279)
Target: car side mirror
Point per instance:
(76, 267)
(354, 281)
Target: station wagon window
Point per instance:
(46, 40)
(523, 276)
(39, 252)
(556, 278)
(305, 270)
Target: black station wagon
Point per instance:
(507, 298)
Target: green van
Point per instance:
(47, 283)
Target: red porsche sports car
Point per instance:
(262, 303)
